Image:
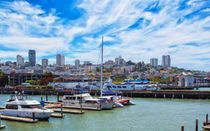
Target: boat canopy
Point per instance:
(111, 92)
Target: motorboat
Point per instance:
(116, 98)
(24, 106)
(86, 101)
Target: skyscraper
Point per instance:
(77, 63)
(166, 61)
(154, 62)
(44, 62)
(32, 57)
(20, 60)
(58, 59)
(62, 60)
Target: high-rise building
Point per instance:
(166, 61)
(58, 59)
(62, 60)
(154, 62)
(44, 62)
(32, 57)
(77, 63)
(20, 60)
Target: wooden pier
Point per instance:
(69, 111)
(206, 124)
(2, 108)
(20, 119)
(82, 108)
(56, 115)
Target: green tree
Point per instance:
(3, 79)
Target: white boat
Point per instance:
(23, 106)
(86, 101)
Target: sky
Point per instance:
(135, 29)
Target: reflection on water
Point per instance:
(146, 115)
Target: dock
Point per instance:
(56, 115)
(83, 108)
(2, 108)
(68, 111)
(20, 119)
(49, 106)
(206, 127)
(206, 124)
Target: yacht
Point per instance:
(86, 101)
(23, 106)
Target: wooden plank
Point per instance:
(69, 111)
(49, 106)
(206, 127)
(55, 115)
(20, 119)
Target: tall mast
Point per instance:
(102, 66)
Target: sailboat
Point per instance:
(118, 101)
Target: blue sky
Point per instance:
(135, 29)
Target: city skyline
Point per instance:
(135, 30)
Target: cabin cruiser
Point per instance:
(86, 101)
(23, 106)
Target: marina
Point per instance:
(146, 110)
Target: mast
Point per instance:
(102, 66)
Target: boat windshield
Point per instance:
(32, 106)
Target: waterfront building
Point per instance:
(20, 60)
(32, 57)
(77, 63)
(166, 61)
(186, 80)
(44, 62)
(154, 62)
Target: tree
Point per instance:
(130, 63)
(3, 79)
(48, 74)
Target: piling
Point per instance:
(46, 97)
(57, 97)
(196, 125)
(207, 119)
(61, 109)
(182, 128)
(33, 115)
(41, 98)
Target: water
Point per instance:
(146, 115)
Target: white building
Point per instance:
(166, 61)
(186, 80)
(154, 62)
(20, 60)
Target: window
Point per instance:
(119, 86)
(11, 107)
(114, 86)
(109, 87)
(31, 106)
(124, 86)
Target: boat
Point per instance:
(86, 101)
(117, 98)
(24, 106)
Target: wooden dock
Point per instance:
(2, 108)
(83, 108)
(68, 111)
(207, 127)
(20, 119)
(56, 115)
(49, 106)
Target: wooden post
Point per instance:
(182, 128)
(46, 97)
(33, 115)
(80, 101)
(207, 119)
(61, 109)
(196, 125)
(0, 120)
(57, 97)
(41, 98)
